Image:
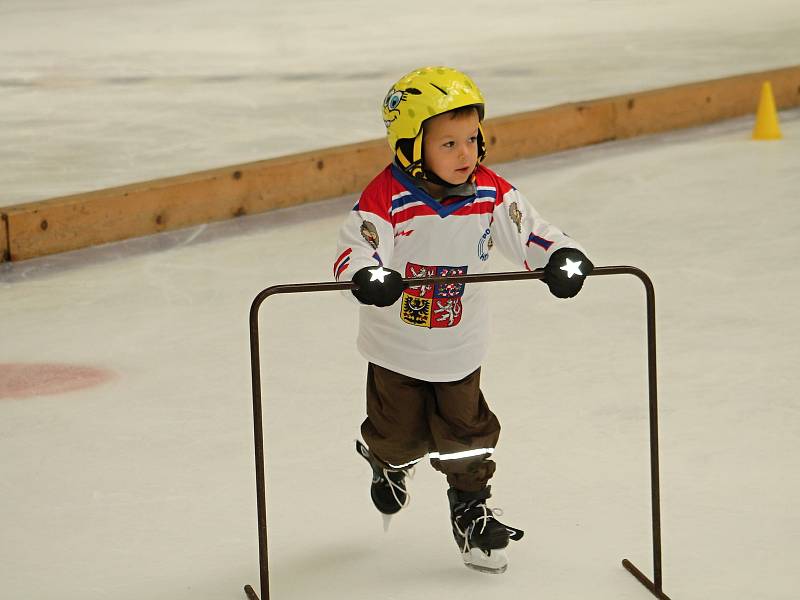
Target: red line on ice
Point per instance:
(27, 380)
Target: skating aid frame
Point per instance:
(655, 586)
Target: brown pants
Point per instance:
(408, 418)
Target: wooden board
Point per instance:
(548, 130)
(4, 252)
(81, 220)
(700, 103)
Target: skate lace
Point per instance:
(397, 488)
(488, 513)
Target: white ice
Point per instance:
(143, 487)
(96, 93)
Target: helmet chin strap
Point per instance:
(416, 171)
(434, 178)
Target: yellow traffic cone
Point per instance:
(767, 127)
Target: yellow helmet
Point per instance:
(420, 95)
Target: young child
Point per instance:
(437, 211)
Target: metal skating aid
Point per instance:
(654, 586)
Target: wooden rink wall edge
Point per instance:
(3, 238)
(87, 219)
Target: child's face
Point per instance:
(450, 146)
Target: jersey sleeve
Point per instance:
(366, 238)
(521, 234)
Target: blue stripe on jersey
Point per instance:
(419, 195)
(343, 266)
(403, 200)
(539, 241)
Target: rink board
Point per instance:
(3, 239)
(81, 220)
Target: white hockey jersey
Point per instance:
(439, 332)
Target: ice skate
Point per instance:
(388, 491)
(481, 538)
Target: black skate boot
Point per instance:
(481, 538)
(388, 490)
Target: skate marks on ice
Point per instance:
(261, 77)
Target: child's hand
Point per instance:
(565, 272)
(378, 286)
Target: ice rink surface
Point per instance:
(98, 93)
(140, 484)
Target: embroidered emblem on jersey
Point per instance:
(416, 311)
(370, 234)
(485, 244)
(432, 306)
(515, 214)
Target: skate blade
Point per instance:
(387, 520)
(493, 564)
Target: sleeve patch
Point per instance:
(370, 234)
(515, 214)
(539, 241)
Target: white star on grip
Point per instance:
(572, 268)
(378, 274)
